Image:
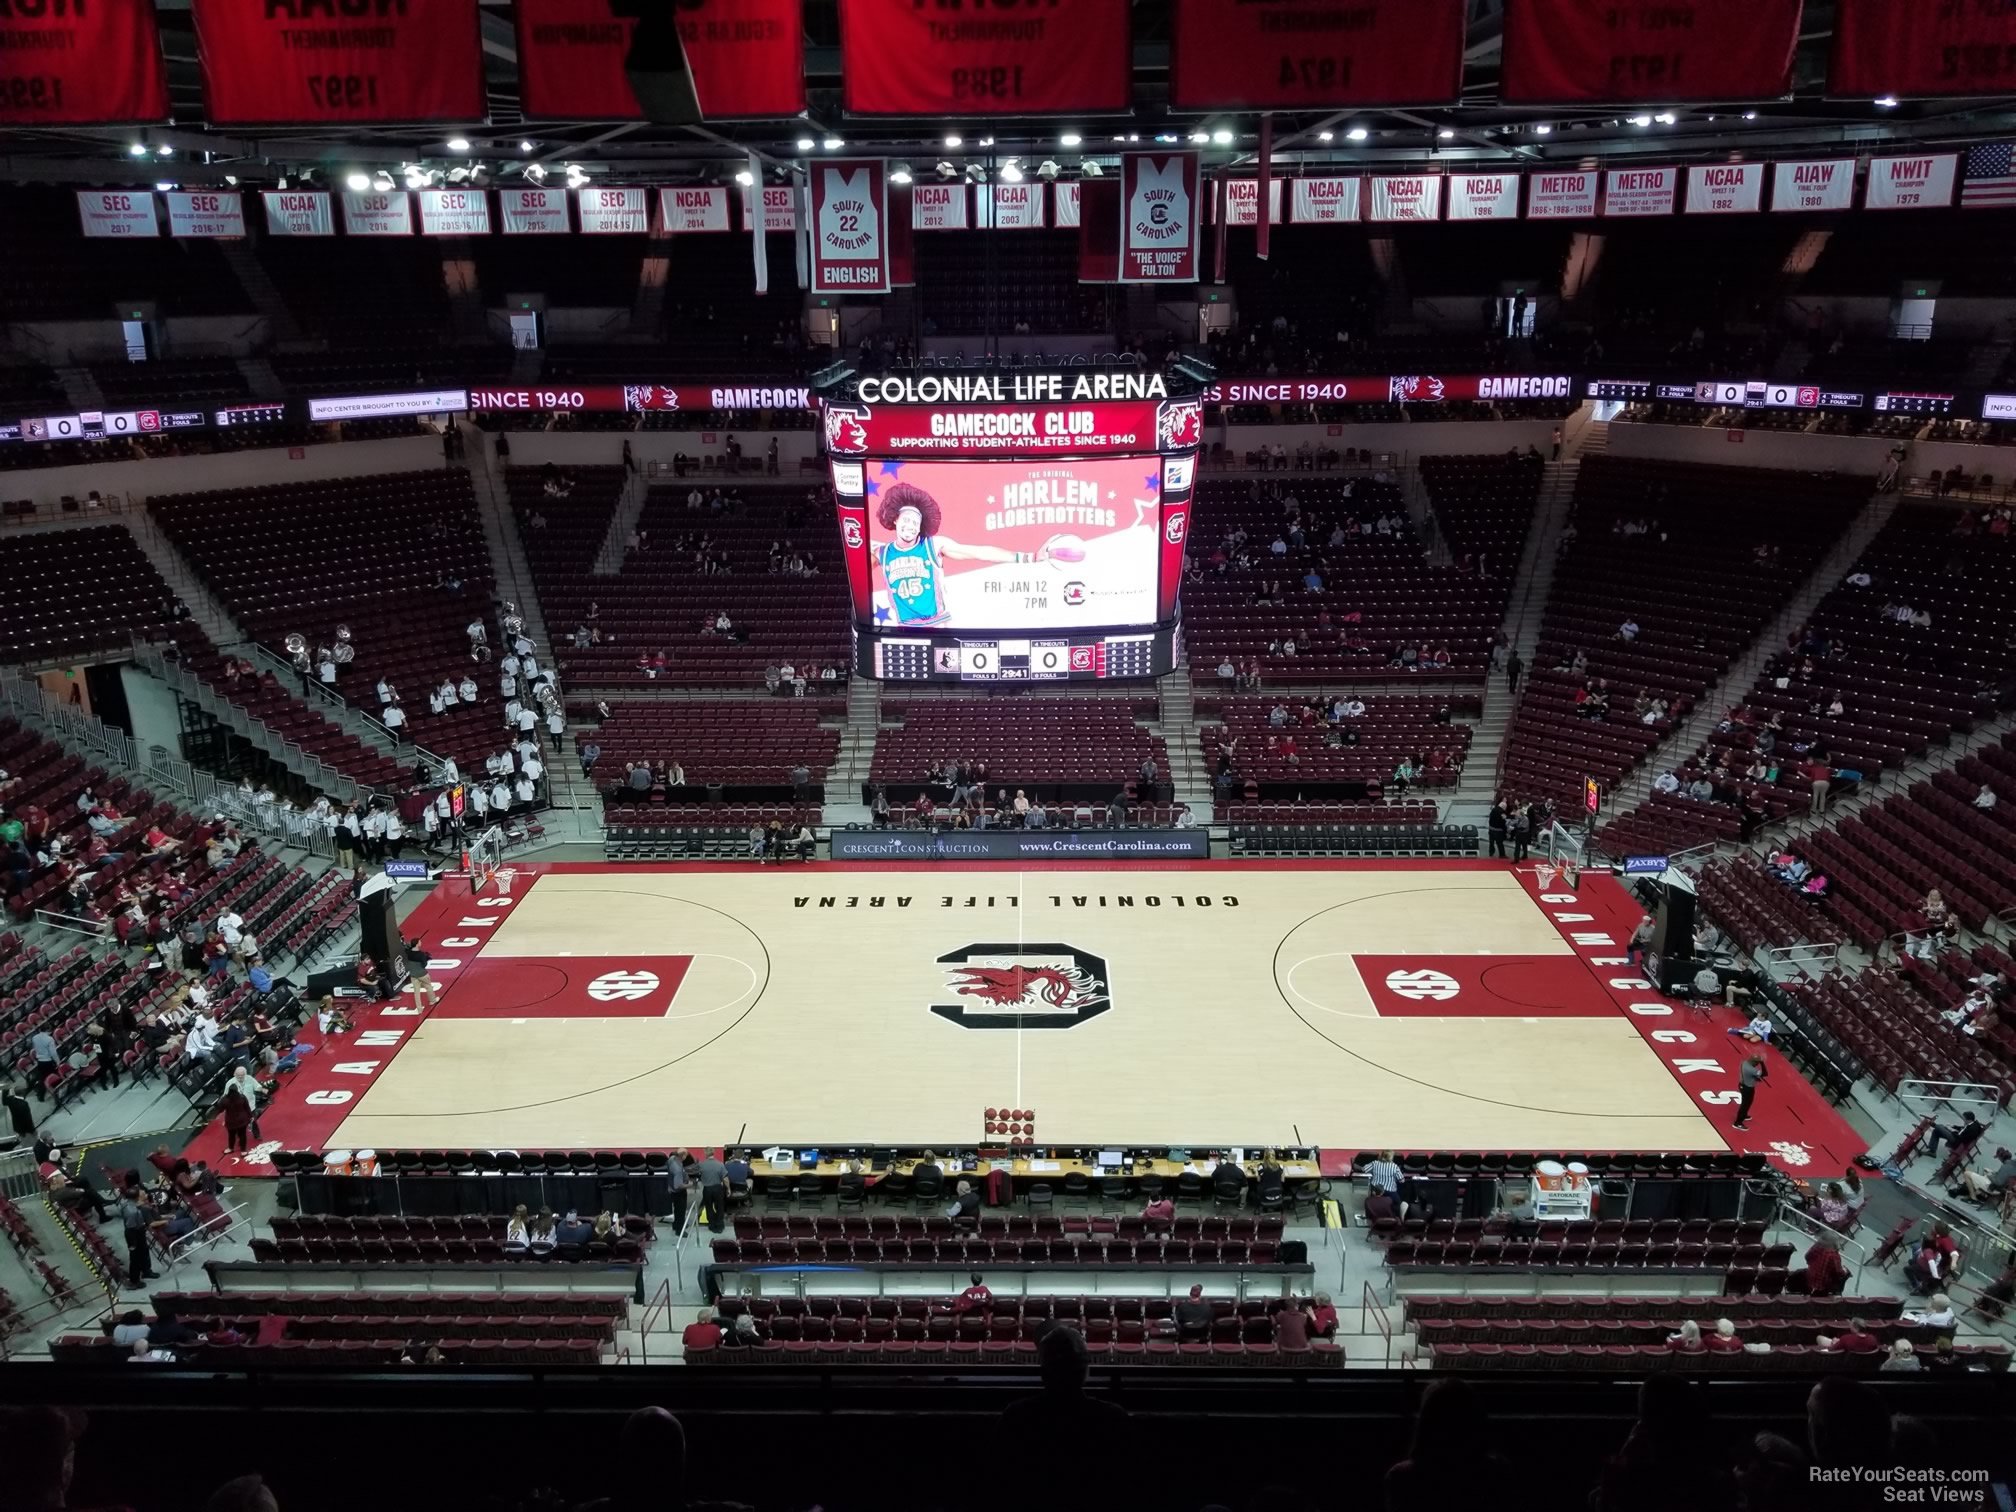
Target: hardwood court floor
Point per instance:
(1428, 1005)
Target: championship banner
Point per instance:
(1554, 195)
(374, 214)
(850, 227)
(615, 210)
(292, 62)
(80, 65)
(747, 57)
(1160, 207)
(1406, 197)
(1326, 201)
(899, 57)
(1640, 191)
(1483, 196)
(780, 207)
(1011, 207)
(206, 213)
(701, 207)
(571, 61)
(1641, 52)
(1314, 54)
(1241, 201)
(117, 212)
(454, 212)
(298, 212)
(938, 207)
(1064, 199)
(534, 212)
(1914, 48)
(1725, 188)
(1921, 182)
(1825, 184)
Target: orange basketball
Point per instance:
(1066, 548)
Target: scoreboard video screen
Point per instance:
(1014, 542)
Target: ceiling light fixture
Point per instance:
(1447, 133)
(953, 139)
(1356, 134)
(745, 178)
(138, 149)
(1011, 172)
(536, 172)
(164, 185)
(806, 144)
(833, 144)
(1167, 137)
(947, 170)
(1326, 136)
(1749, 115)
(1222, 136)
(986, 141)
(1070, 139)
(1886, 101)
(1200, 137)
(164, 150)
(357, 183)
(1666, 118)
(458, 144)
(1543, 129)
(1091, 170)
(382, 181)
(1047, 169)
(900, 174)
(231, 179)
(1641, 120)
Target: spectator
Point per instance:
(1725, 1339)
(1937, 1313)
(1661, 1467)
(703, 1333)
(1688, 1339)
(1449, 1462)
(1194, 1316)
(247, 1493)
(1857, 1340)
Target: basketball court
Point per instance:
(1418, 1005)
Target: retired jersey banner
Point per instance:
(1325, 200)
(571, 61)
(1923, 47)
(903, 57)
(79, 64)
(1824, 184)
(697, 207)
(1315, 54)
(1643, 52)
(850, 227)
(1725, 188)
(374, 214)
(1161, 203)
(939, 207)
(454, 212)
(298, 212)
(534, 212)
(1011, 207)
(1555, 195)
(747, 57)
(1239, 201)
(1640, 191)
(615, 210)
(780, 208)
(1065, 199)
(206, 213)
(1923, 181)
(301, 62)
(117, 212)
(1406, 197)
(1483, 196)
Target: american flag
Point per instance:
(1991, 176)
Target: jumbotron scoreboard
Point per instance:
(1014, 527)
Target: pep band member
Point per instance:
(910, 561)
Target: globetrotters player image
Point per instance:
(910, 558)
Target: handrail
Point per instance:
(314, 691)
(73, 923)
(1371, 1309)
(1790, 1215)
(55, 1306)
(204, 1235)
(660, 1298)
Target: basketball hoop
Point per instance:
(1544, 873)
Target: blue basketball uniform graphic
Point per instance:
(912, 574)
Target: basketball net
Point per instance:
(1544, 873)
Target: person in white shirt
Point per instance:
(395, 832)
(479, 800)
(511, 711)
(395, 720)
(385, 691)
(1757, 1031)
(500, 797)
(326, 670)
(556, 727)
(446, 691)
(1628, 631)
(508, 685)
(467, 690)
(201, 1040)
(526, 789)
(1666, 782)
(527, 721)
(529, 665)
(449, 771)
(1937, 1312)
(1353, 708)
(434, 703)
(521, 644)
(533, 768)
(509, 665)
(248, 1087)
(478, 635)
(1985, 799)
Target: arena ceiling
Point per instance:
(1480, 130)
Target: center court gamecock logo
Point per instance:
(1176, 527)
(1023, 987)
(1179, 424)
(1414, 390)
(623, 986)
(850, 533)
(846, 430)
(1422, 986)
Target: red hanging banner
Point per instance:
(850, 227)
(747, 57)
(1646, 52)
(570, 61)
(1160, 209)
(1916, 47)
(903, 57)
(80, 65)
(1315, 54)
(304, 62)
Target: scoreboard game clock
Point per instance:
(1026, 528)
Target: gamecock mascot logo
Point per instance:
(846, 431)
(1176, 527)
(1179, 425)
(1414, 390)
(850, 532)
(1023, 987)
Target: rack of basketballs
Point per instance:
(1016, 1125)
